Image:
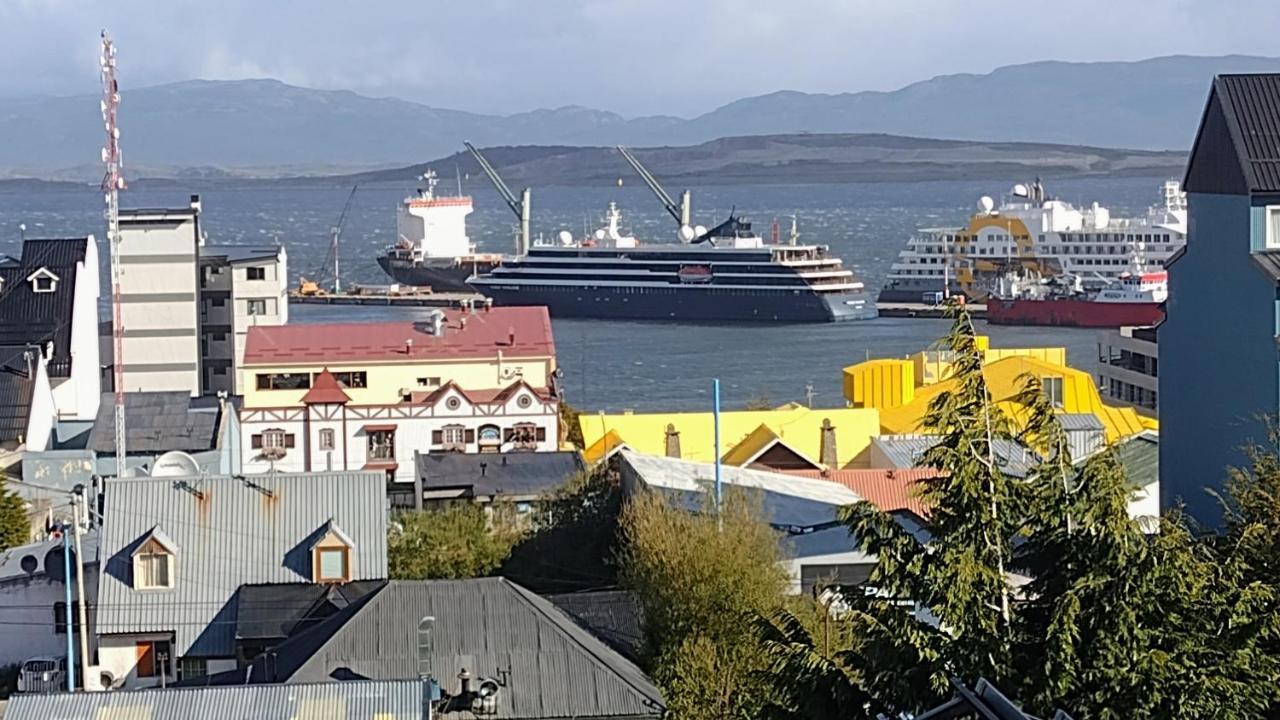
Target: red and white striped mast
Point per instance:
(112, 184)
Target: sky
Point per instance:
(634, 57)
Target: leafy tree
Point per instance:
(811, 678)
(15, 527)
(699, 578)
(570, 430)
(462, 541)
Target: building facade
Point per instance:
(367, 396)
(33, 598)
(159, 287)
(1219, 372)
(1129, 367)
(240, 287)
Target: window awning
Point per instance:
(378, 428)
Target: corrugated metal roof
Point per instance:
(229, 532)
(1140, 456)
(614, 616)
(240, 253)
(492, 628)
(35, 555)
(888, 489)
(907, 451)
(16, 388)
(156, 422)
(517, 473)
(280, 610)
(1268, 261)
(1253, 109)
(27, 316)
(1080, 421)
(354, 700)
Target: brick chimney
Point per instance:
(827, 454)
(672, 441)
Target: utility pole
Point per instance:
(66, 584)
(715, 415)
(112, 184)
(79, 504)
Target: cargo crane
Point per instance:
(519, 207)
(309, 287)
(679, 212)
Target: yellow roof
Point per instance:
(799, 427)
(1005, 379)
(760, 440)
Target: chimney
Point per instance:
(484, 466)
(511, 336)
(462, 323)
(827, 455)
(464, 682)
(488, 304)
(408, 346)
(672, 442)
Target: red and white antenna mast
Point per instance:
(112, 184)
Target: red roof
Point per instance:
(325, 389)
(888, 490)
(515, 331)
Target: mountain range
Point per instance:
(266, 128)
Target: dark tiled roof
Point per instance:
(15, 395)
(156, 422)
(519, 473)
(276, 611)
(489, 626)
(27, 316)
(614, 616)
(1253, 109)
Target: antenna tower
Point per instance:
(112, 184)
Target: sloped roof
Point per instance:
(279, 610)
(16, 391)
(555, 669)
(907, 451)
(485, 335)
(614, 616)
(229, 532)
(33, 317)
(326, 389)
(1140, 457)
(516, 473)
(755, 444)
(359, 700)
(156, 422)
(889, 489)
(1251, 103)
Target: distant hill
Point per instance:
(269, 129)
(816, 158)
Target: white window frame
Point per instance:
(453, 435)
(1050, 383)
(326, 439)
(1271, 227)
(143, 580)
(274, 439)
(256, 303)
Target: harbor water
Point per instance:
(612, 365)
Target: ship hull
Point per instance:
(443, 275)
(704, 304)
(1072, 313)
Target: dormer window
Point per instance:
(153, 562)
(43, 281)
(331, 555)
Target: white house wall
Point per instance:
(43, 413)
(27, 605)
(77, 397)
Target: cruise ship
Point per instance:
(727, 273)
(1032, 232)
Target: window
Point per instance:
(43, 281)
(255, 273)
(275, 440)
(218, 302)
(256, 307)
(332, 563)
(284, 381)
(352, 379)
(1053, 390)
(326, 439)
(450, 436)
(524, 401)
(60, 616)
(153, 568)
(453, 403)
(382, 444)
(428, 382)
(155, 657)
(526, 436)
(490, 436)
(1273, 227)
(192, 667)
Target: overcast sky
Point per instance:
(636, 57)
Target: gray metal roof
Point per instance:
(907, 451)
(43, 558)
(517, 473)
(1268, 261)
(240, 253)
(229, 532)
(489, 626)
(279, 610)
(16, 390)
(156, 422)
(614, 616)
(1080, 421)
(1140, 457)
(356, 700)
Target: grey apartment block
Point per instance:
(241, 287)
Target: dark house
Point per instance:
(518, 477)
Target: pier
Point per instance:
(424, 299)
(921, 310)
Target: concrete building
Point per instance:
(1219, 376)
(368, 396)
(1129, 367)
(176, 550)
(33, 598)
(240, 287)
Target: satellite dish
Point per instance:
(986, 204)
(1021, 190)
(175, 463)
(600, 234)
(566, 237)
(699, 230)
(686, 233)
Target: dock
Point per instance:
(407, 299)
(921, 310)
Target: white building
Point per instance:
(1128, 367)
(240, 287)
(33, 598)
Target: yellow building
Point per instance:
(902, 389)
(790, 435)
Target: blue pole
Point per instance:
(715, 414)
(66, 576)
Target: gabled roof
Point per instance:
(1237, 147)
(513, 331)
(356, 700)
(160, 537)
(33, 317)
(330, 528)
(516, 473)
(757, 443)
(326, 389)
(556, 668)
(16, 390)
(156, 422)
(229, 532)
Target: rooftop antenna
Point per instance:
(112, 184)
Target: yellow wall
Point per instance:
(880, 383)
(799, 427)
(386, 380)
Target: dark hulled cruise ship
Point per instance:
(724, 274)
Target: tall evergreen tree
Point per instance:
(15, 527)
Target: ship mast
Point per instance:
(112, 183)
